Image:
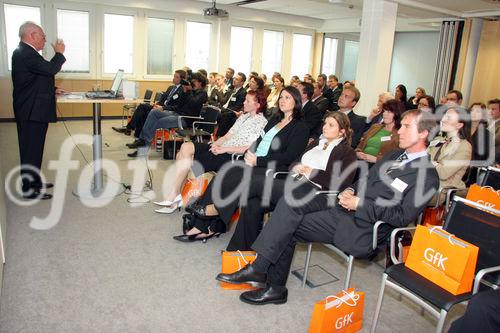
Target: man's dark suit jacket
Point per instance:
(313, 119)
(194, 101)
(358, 127)
(236, 101)
(354, 231)
(333, 97)
(176, 101)
(218, 97)
(322, 103)
(33, 80)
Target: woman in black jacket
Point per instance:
(283, 140)
(328, 164)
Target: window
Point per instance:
(272, 52)
(73, 28)
(118, 43)
(198, 45)
(160, 42)
(301, 54)
(329, 56)
(241, 49)
(14, 17)
(350, 62)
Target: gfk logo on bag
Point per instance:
(344, 321)
(435, 258)
(486, 203)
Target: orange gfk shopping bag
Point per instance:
(339, 313)
(233, 261)
(443, 259)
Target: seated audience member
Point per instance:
(294, 81)
(494, 107)
(219, 96)
(453, 97)
(189, 73)
(481, 137)
(347, 100)
(250, 77)
(413, 100)
(375, 116)
(272, 99)
(349, 223)
(321, 102)
(308, 78)
(257, 84)
(228, 78)
(427, 103)
(400, 95)
(451, 153)
(312, 116)
(195, 96)
(284, 139)
(203, 72)
(348, 83)
(314, 172)
(481, 315)
(171, 100)
(211, 82)
(244, 132)
(332, 93)
(382, 138)
(267, 87)
(321, 80)
(233, 105)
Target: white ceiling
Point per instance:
(345, 9)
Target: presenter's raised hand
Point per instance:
(59, 46)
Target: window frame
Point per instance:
(252, 62)
(282, 48)
(211, 51)
(311, 52)
(342, 38)
(161, 16)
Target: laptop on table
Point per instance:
(112, 93)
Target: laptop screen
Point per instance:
(117, 81)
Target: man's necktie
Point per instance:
(399, 161)
(174, 89)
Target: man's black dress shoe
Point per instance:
(37, 195)
(245, 275)
(268, 295)
(123, 130)
(137, 143)
(134, 154)
(42, 186)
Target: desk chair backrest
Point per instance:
(470, 222)
(491, 178)
(147, 95)
(209, 114)
(158, 96)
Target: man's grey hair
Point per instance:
(26, 26)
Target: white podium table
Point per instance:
(79, 98)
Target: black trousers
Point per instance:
(264, 194)
(31, 136)
(482, 314)
(225, 122)
(139, 118)
(314, 221)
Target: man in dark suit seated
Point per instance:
(348, 99)
(170, 101)
(312, 117)
(333, 92)
(396, 190)
(319, 100)
(34, 103)
(321, 80)
(234, 104)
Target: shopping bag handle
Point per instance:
(242, 257)
(342, 301)
(449, 236)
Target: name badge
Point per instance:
(233, 99)
(385, 138)
(399, 185)
(175, 97)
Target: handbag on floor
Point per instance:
(339, 313)
(443, 259)
(233, 261)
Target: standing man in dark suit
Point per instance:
(171, 100)
(231, 109)
(34, 103)
(348, 99)
(396, 190)
(333, 92)
(312, 117)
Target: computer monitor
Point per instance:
(117, 81)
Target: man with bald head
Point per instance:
(34, 103)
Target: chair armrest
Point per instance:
(202, 122)
(334, 193)
(447, 202)
(375, 233)
(280, 173)
(235, 157)
(213, 107)
(179, 120)
(393, 244)
(481, 274)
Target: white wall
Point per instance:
(414, 60)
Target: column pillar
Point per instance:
(470, 59)
(378, 24)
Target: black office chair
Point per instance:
(158, 96)
(130, 107)
(471, 222)
(491, 177)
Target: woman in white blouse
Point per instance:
(211, 157)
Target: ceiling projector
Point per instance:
(214, 11)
